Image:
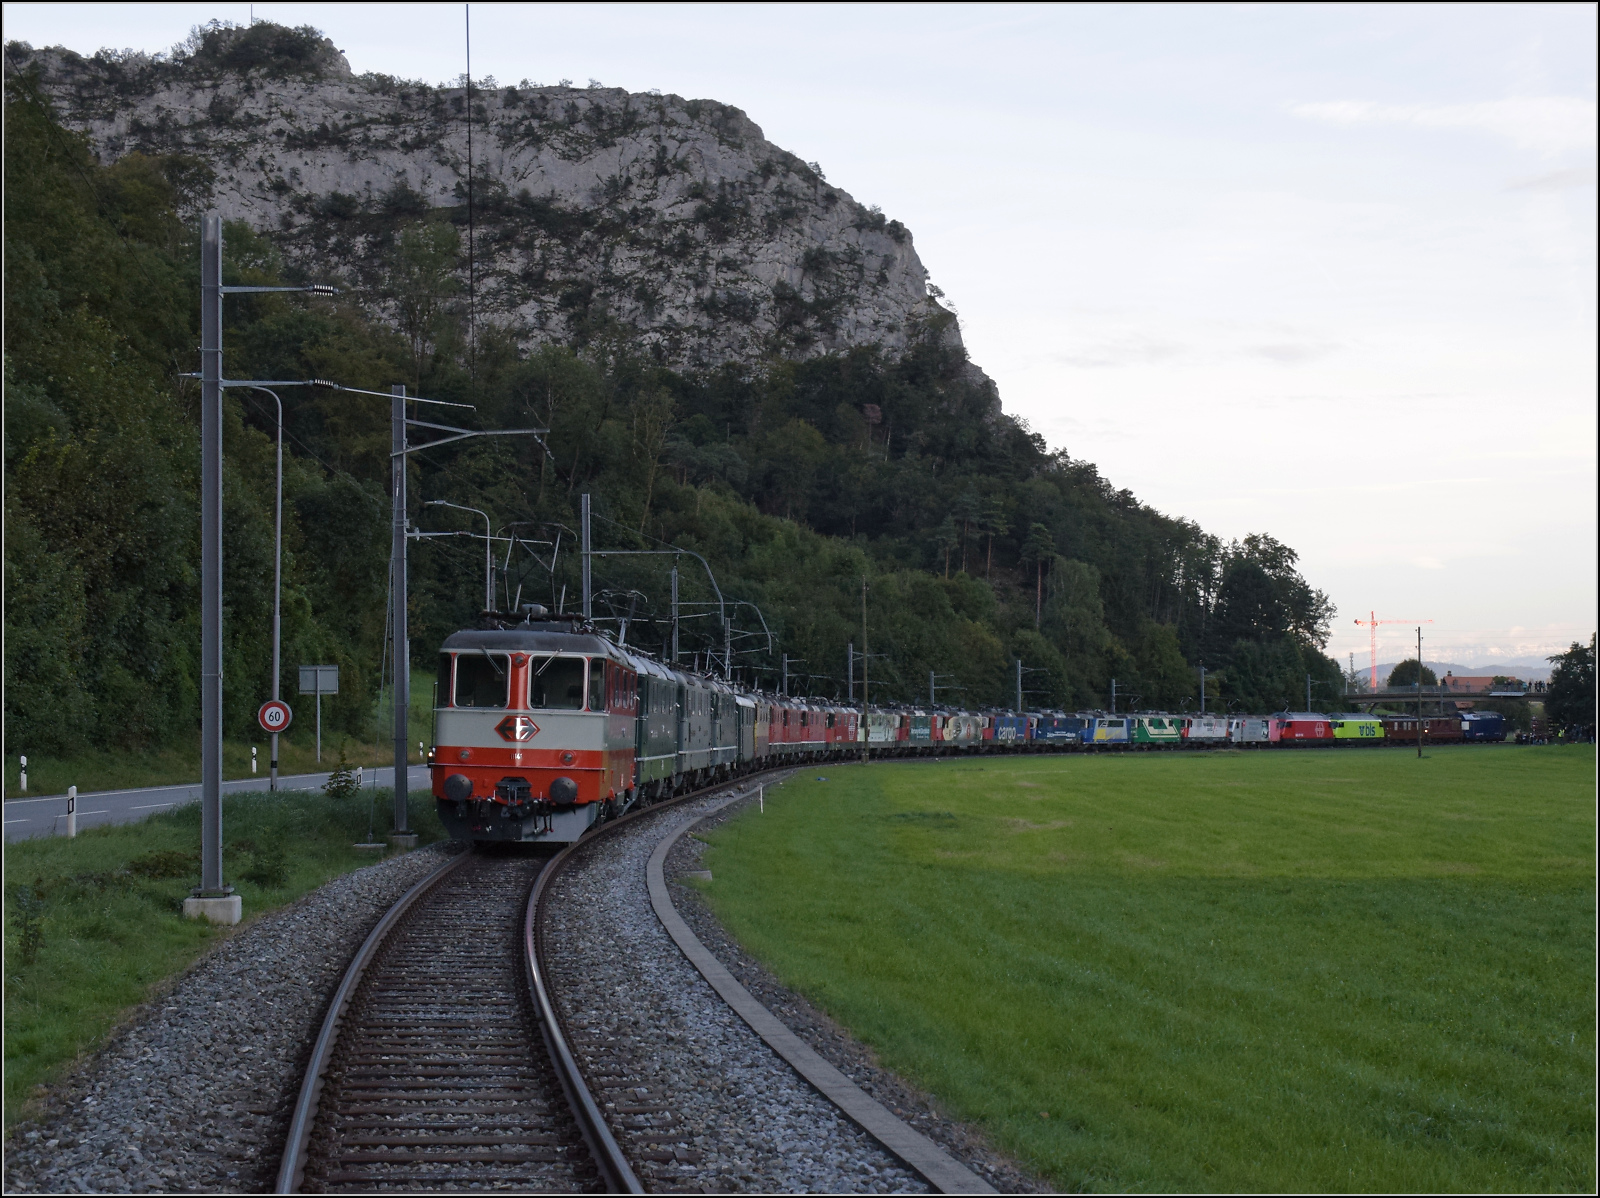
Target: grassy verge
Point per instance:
(1320, 971)
(94, 925)
(110, 769)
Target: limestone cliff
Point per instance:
(671, 224)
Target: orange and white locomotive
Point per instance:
(536, 730)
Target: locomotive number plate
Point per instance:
(517, 727)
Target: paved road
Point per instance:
(47, 815)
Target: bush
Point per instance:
(164, 863)
(269, 867)
(27, 914)
(342, 783)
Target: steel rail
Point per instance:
(292, 1170)
(603, 1147)
(608, 1154)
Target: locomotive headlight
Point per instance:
(458, 788)
(563, 792)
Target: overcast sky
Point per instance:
(1323, 272)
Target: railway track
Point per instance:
(443, 1062)
(435, 1068)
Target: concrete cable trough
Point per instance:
(939, 1168)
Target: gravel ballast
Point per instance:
(196, 1092)
(734, 1114)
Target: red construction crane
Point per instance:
(1373, 623)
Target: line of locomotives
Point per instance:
(546, 728)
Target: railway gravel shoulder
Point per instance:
(827, 1038)
(194, 1093)
(696, 1099)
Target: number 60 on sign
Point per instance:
(274, 715)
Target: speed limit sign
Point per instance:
(274, 715)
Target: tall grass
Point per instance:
(103, 911)
(1273, 971)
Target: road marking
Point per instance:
(102, 811)
(147, 806)
(19, 821)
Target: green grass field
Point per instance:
(1317, 970)
(106, 910)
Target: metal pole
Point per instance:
(402, 635)
(211, 556)
(1419, 690)
(488, 564)
(850, 669)
(277, 588)
(1019, 686)
(930, 688)
(783, 687)
(674, 611)
(864, 646)
(583, 507)
(1308, 692)
(1113, 696)
(1202, 690)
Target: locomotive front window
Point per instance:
(444, 692)
(597, 684)
(556, 683)
(481, 679)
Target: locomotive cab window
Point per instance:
(481, 679)
(597, 684)
(446, 660)
(556, 683)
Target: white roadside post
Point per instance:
(252, 760)
(72, 812)
(24, 775)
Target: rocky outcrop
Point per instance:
(596, 213)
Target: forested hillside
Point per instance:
(795, 479)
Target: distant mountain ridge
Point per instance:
(666, 225)
(1527, 673)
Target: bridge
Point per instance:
(1433, 694)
